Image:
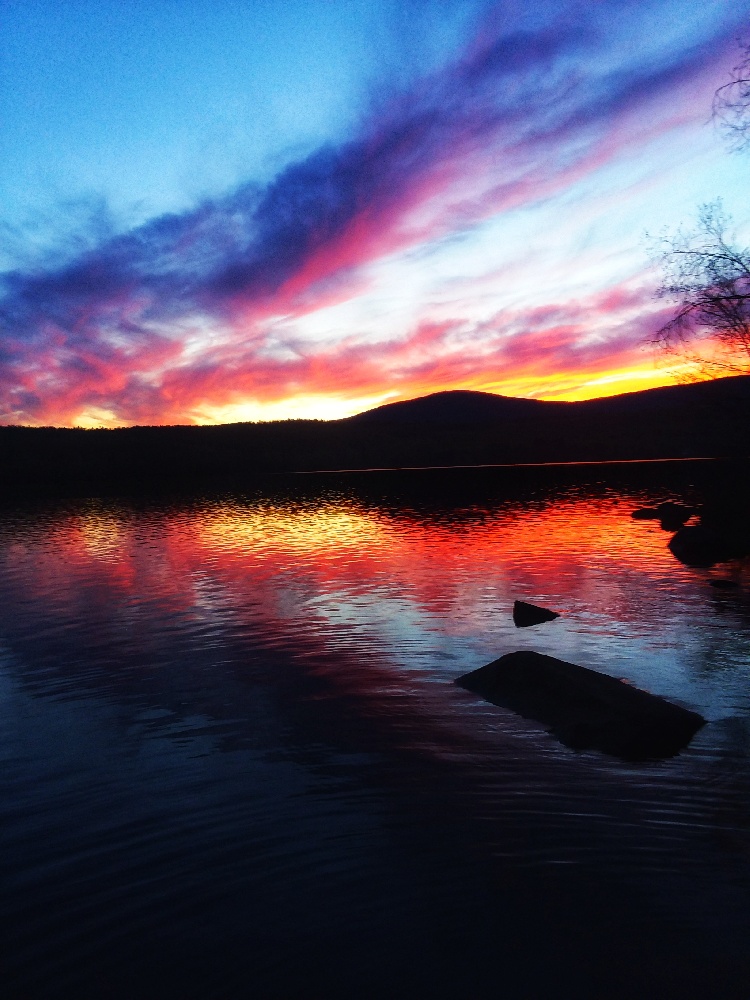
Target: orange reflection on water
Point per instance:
(369, 595)
(576, 553)
(358, 564)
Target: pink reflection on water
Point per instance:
(397, 591)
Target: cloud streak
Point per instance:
(153, 324)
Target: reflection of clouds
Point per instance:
(306, 531)
(102, 535)
(419, 588)
(415, 591)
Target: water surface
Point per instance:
(234, 761)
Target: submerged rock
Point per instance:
(531, 614)
(583, 708)
(722, 584)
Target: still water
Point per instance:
(234, 762)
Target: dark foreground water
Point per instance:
(233, 761)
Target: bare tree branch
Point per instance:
(708, 278)
(705, 274)
(731, 106)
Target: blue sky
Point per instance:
(154, 105)
(236, 210)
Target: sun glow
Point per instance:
(93, 417)
(448, 238)
(308, 407)
(611, 384)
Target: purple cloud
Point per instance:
(106, 328)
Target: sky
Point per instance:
(224, 210)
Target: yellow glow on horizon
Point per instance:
(564, 387)
(307, 407)
(612, 384)
(94, 417)
(557, 386)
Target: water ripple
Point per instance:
(229, 723)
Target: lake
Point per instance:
(234, 761)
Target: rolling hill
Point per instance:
(445, 428)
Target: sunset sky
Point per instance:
(221, 210)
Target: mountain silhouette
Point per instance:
(706, 419)
(454, 406)
(710, 398)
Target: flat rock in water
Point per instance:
(530, 614)
(583, 708)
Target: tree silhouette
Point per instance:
(732, 103)
(705, 272)
(708, 276)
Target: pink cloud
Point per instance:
(517, 119)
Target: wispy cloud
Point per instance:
(151, 324)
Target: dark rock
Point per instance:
(724, 584)
(583, 708)
(530, 614)
(697, 545)
(672, 523)
(673, 516)
(672, 509)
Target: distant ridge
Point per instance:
(467, 406)
(706, 419)
(452, 405)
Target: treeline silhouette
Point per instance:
(448, 428)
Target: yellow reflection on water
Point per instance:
(101, 535)
(311, 530)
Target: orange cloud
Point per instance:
(186, 315)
